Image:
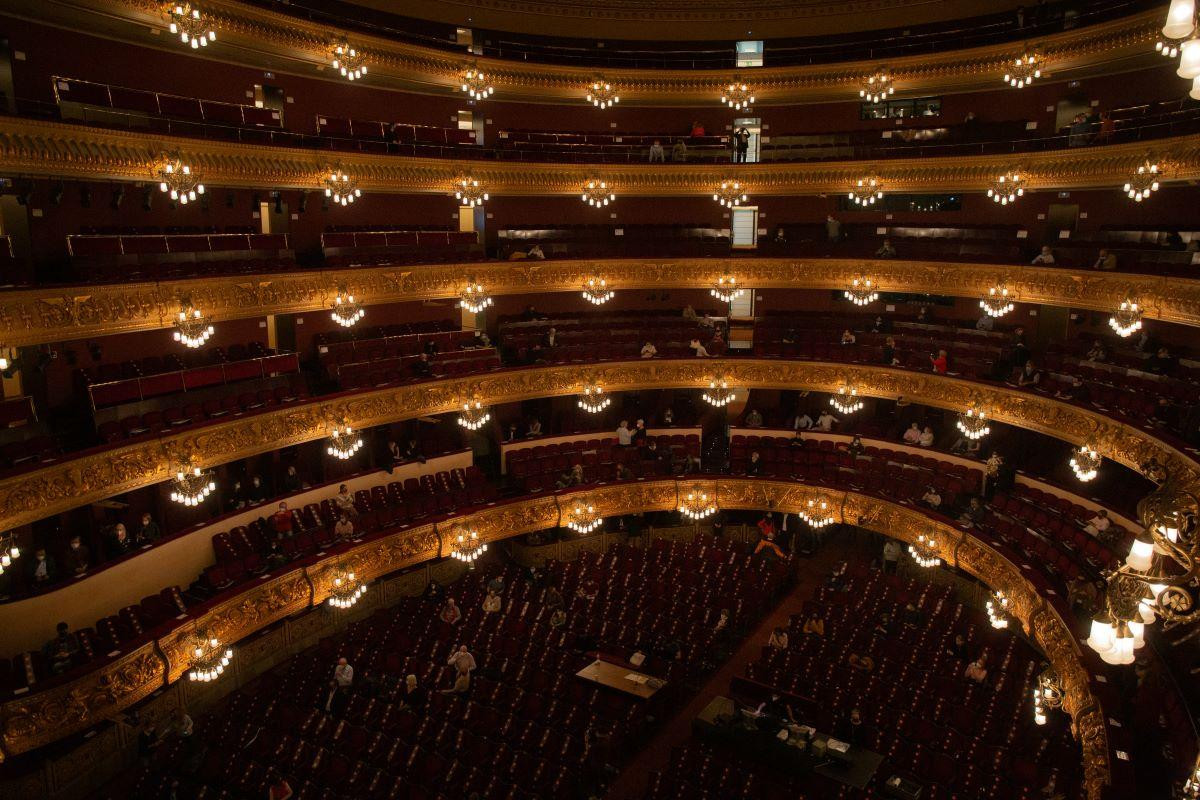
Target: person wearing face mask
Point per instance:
(291, 480)
(79, 558)
(43, 570)
(258, 492)
(149, 532)
(119, 542)
(236, 498)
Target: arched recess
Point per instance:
(44, 717)
(62, 486)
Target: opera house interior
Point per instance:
(581, 399)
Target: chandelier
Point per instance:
(718, 393)
(816, 513)
(185, 21)
(476, 84)
(191, 485)
(596, 193)
(349, 62)
(1023, 70)
(177, 179)
(582, 517)
(474, 415)
(593, 399)
(1047, 693)
(973, 424)
(344, 443)
(474, 298)
(697, 505)
(601, 94)
(596, 291)
(1191, 787)
(346, 589)
(738, 96)
(726, 289)
(468, 192)
(997, 610)
(192, 329)
(862, 291)
(9, 551)
(846, 400)
(924, 552)
(1006, 188)
(877, 87)
(996, 303)
(209, 659)
(346, 310)
(1086, 463)
(866, 192)
(730, 194)
(1127, 320)
(1180, 37)
(1143, 182)
(340, 186)
(466, 547)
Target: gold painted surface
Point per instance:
(39, 316)
(65, 485)
(33, 721)
(53, 149)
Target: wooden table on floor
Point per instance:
(621, 678)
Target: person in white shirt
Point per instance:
(699, 349)
(926, 439)
(826, 421)
(803, 422)
(1099, 523)
(848, 337)
(461, 659)
(649, 350)
(1044, 257)
(624, 435)
(343, 674)
(913, 434)
(491, 603)
(931, 498)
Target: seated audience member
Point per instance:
(291, 478)
(778, 639)
(450, 613)
(926, 438)
(754, 419)
(814, 625)
(491, 603)
(412, 451)
(344, 529)
(588, 590)
(940, 362)
(553, 598)
(462, 683)
(1030, 375)
(932, 499)
(754, 465)
(496, 584)
(851, 728)
(421, 367)
(1099, 523)
(826, 421)
(797, 440)
(558, 618)
(1105, 260)
(889, 352)
(79, 558)
(883, 625)
(279, 788)
(657, 153)
(861, 663)
(257, 491)
(780, 235)
(848, 337)
(958, 648)
(974, 512)
(913, 434)
(60, 651)
(668, 418)
(856, 447)
(1162, 362)
(649, 350)
(413, 695)
(886, 250)
(461, 659)
(700, 350)
(1046, 256)
(697, 128)
(534, 429)
(679, 151)
(536, 253)
(149, 532)
(985, 323)
(1097, 352)
(345, 501)
(977, 670)
(911, 617)
(433, 592)
(551, 338)
(573, 477)
(281, 520)
(118, 543)
(803, 422)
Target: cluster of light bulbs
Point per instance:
(726, 289)
(466, 547)
(877, 88)
(596, 291)
(1143, 182)
(924, 552)
(584, 519)
(738, 96)
(1023, 70)
(210, 661)
(474, 298)
(997, 610)
(347, 590)
(718, 393)
(344, 443)
(1006, 189)
(1127, 320)
(186, 22)
(696, 505)
(191, 487)
(476, 84)
(846, 400)
(340, 187)
(9, 551)
(816, 513)
(729, 194)
(596, 193)
(862, 292)
(470, 193)
(346, 310)
(602, 95)
(177, 180)
(865, 192)
(593, 399)
(973, 424)
(996, 303)
(1086, 463)
(1181, 37)
(349, 61)
(191, 329)
(473, 415)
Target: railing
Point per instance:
(129, 390)
(103, 244)
(150, 102)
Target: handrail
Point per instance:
(225, 366)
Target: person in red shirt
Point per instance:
(282, 520)
(697, 128)
(939, 362)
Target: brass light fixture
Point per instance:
(997, 610)
(602, 94)
(1143, 182)
(465, 545)
(347, 589)
(191, 485)
(593, 399)
(188, 23)
(209, 658)
(1006, 188)
(177, 179)
(718, 393)
(1024, 69)
(817, 513)
(346, 311)
(862, 291)
(469, 192)
(730, 194)
(340, 186)
(1086, 463)
(9, 550)
(973, 423)
(1048, 693)
(865, 192)
(997, 302)
(474, 298)
(1127, 319)
(924, 552)
(192, 329)
(726, 289)
(344, 442)
(582, 517)
(846, 400)
(348, 61)
(474, 415)
(476, 84)
(596, 291)
(697, 504)
(597, 193)
(877, 87)
(738, 95)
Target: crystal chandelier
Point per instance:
(1143, 182)
(738, 96)
(1047, 694)
(1181, 37)
(1086, 463)
(973, 423)
(924, 552)
(191, 485)
(209, 659)
(1023, 70)
(845, 400)
(474, 298)
(730, 194)
(185, 21)
(877, 87)
(468, 192)
(192, 329)
(582, 517)
(726, 289)
(465, 545)
(718, 393)
(862, 291)
(996, 303)
(596, 193)
(9, 551)
(177, 179)
(816, 513)
(997, 610)
(348, 61)
(344, 442)
(476, 84)
(697, 505)
(866, 192)
(346, 310)
(601, 93)
(1127, 320)
(340, 186)
(1006, 188)
(596, 291)
(474, 415)
(346, 590)
(593, 399)
(1191, 787)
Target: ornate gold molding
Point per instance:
(265, 39)
(31, 722)
(65, 485)
(38, 316)
(42, 148)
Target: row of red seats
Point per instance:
(92, 245)
(104, 95)
(390, 371)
